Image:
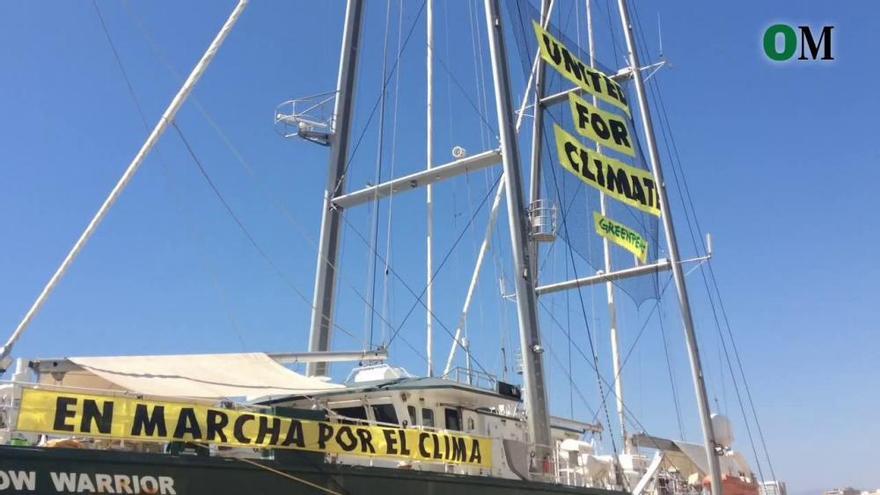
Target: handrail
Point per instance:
(456, 374)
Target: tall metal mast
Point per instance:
(331, 218)
(429, 191)
(609, 286)
(526, 299)
(493, 216)
(674, 258)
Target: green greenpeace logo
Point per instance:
(781, 43)
(621, 235)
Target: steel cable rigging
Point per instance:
(688, 207)
(252, 173)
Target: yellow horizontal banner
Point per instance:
(621, 235)
(123, 418)
(630, 185)
(609, 130)
(572, 68)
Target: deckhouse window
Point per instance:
(453, 419)
(351, 413)
(413, 421)
(428, 417)
(384, 413)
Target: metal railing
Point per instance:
(474, 378)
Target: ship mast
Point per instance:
(609, 286)
(331, 217)
(674, 257)
(429, 189)
(336, 199)
(526, 297)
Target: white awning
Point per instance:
(199, 376)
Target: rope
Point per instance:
(628, 414)
(488, 127)
(568, 327)
(672, 150)
(611, 30)
(675, 400)
(386, 295)
(595, 355)
(466, 96)
(479, 71)
(121, 66)
(640, 333)
(241, 225)
(480, 78)
(445, 258)
(378, 99)
(251, 171)
(573, 387)
(380, 148)
(288, 476)
(185, 213)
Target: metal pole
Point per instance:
(661, 265)
(526, 300)
(329, 356)
(331, 218)
(133, 167)
(537, 143)
(609, 286)
(422, 178)
(615, 342)
(475, 277)
(521, 113)
(493, 216)
(674, 258)
(429, 192)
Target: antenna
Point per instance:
(660, 35)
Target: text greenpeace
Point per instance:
(630, 185)
(603, 127)
(590, 80)
(45, 411)
(621, 235)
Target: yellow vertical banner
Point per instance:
(625, 183)
(605, 128)
(558, 56)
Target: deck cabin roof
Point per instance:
(396, 385)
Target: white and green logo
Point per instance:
(781, 43)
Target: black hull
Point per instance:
(123, 472)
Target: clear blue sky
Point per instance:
(781, 160)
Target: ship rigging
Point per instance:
(489, 433)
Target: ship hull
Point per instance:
(51, 471)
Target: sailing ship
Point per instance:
(167, 424)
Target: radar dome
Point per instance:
(723, 430)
